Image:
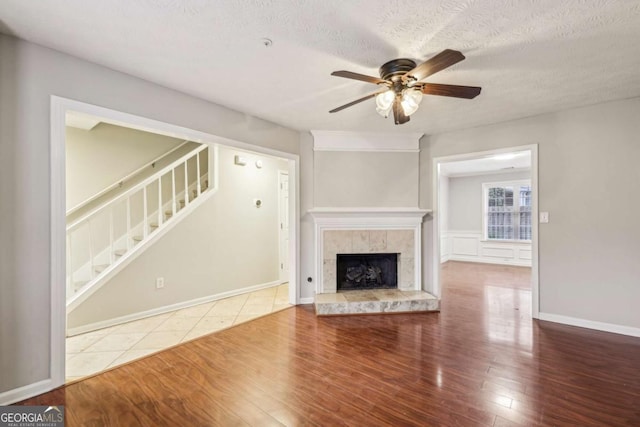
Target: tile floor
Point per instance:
(93, 352)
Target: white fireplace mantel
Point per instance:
(368, 216)
(367, 219)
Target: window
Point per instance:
(507, 210)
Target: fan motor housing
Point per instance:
(392, 70)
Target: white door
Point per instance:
(283, 209)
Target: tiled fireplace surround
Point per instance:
(401, 242)
(362, 231)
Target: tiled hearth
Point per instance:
(374, 301)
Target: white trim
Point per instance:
(59, 107)
(325, 140)
(144, 183)
(485, 260)
(58, 227)
(479, 173)
(308, 300)
(125, 178)
(25, 392)
(366, 219)
(468, 246)
(161, 310)
(590, 324)
(436, 240)
(295, 281)
(126, 259)
(281, 258)
(348, 214)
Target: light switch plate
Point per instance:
(544, 217)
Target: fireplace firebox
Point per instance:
(367, 271)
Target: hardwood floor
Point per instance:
(481, 361)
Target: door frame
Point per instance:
(281, 173)
(435, 249)
(59, 107)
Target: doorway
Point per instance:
(502, 173)
(59, 109)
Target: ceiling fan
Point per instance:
(401, 89)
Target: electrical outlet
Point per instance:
(160, 283)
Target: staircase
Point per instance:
(102, 241)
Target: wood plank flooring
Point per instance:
(480, 361)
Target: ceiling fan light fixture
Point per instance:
(384, 102)
(402, 86)
(411, 99)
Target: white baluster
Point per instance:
(70, 290)
(186, 185)
(128, 213)
(173, 191)
(159, 201)
(198, 187)
(111, 254)
(91, 271)
(145, 219)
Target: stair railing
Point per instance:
(85, 222)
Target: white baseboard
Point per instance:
(25, 392)
(308, 300)
(167, 308)
(484, 260)
(590, 324)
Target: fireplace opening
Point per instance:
(367, 271)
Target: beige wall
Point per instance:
(588, 174)
(29, 75)
(226, 244)
(100, 157)
(365, 179)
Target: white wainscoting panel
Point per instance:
(464, 245)
(468, 245)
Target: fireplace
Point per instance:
(367, 271)
(368, 231)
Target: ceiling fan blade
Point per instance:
(398, 113)
(443, 60)
(357, 101)
(468, 92)
(356, 76)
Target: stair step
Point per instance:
(100, 267)
(137, 238)
(153, 225)
(119, 252)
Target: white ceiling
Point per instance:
(529, 56)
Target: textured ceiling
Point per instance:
(529, 56)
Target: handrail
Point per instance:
(125, 178)
(138, 186)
